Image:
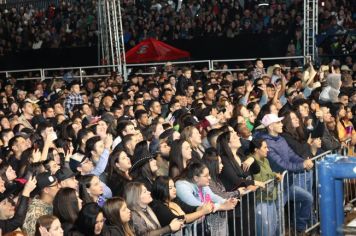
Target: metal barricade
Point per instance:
(153, 68)
(259, 212)
(301, 199)
(231, 63)
(284, 207)
(29, 74)
(349, 184)
(83, 72)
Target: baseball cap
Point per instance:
(64, 173)
(75, 161)
(270, 119)
(44, 180)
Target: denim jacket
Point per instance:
(189, 194)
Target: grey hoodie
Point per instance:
(331, 92)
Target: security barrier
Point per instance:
(333, 170)
(294, 209)
(86, 72)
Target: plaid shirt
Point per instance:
(71, 100)
(257, 73)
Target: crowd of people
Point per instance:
(68, 24)
(75, 23)
(147, 155)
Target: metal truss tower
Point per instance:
(310, 28)
(111, 35)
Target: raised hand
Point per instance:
(29, 186)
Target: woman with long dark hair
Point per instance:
(117, 216)
(167, 206)
(238, 172)
(90, 221)
(238, 169)
(296, 137)
(66, 206)
(214, 163)
(118, 172)
(179, 157)
(91, 189)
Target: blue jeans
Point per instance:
(304, 180)
(266, 219)
(303, 201)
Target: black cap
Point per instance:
(44, 180)
(64, 173)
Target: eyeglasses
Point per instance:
(54, 185)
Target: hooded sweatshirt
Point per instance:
(331, 92)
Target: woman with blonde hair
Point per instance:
(144, 220)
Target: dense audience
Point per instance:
(75, 23)
(147, 155)
(68, 24)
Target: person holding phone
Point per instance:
(167, 206)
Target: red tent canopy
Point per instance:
(151, 50)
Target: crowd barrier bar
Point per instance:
(210, 65)
(224, 61)
(153, 68)
(349, 184)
